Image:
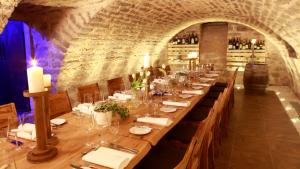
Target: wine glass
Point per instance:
(7, 161)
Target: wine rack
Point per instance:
(177, 54)
(239, 58)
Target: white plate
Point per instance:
(168, 109)
(185, 96)
(58, 121)
(140, 130)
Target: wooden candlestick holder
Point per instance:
(51, 140)
(41, 152)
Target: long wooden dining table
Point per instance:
(73, 135)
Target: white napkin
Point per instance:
(109, 158)
(198, 92)
(26, 131)
(84, 108)
(173, 103)
(201, 84)
(122, 96)
(205, 79)
(155, 120)
(212, 75)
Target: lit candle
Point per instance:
(253, 41)
(35, 78)
(47, 80)
(163, 66)
(148, 73)
(146, 60)
(133, 76)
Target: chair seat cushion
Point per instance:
(163, 156)
(183, 132)
(213, 94)
(198, 114)
(206, 102)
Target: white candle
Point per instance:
(47, 80)
(146, 60)
(35, 79)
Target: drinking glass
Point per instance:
(88, 98)
(7, 161)
(114, 129)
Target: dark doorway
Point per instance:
(13, 76)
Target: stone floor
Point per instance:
(262, 133)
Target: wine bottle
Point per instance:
(237, 45)
(230, 44)
(196, 39)
(192, 38)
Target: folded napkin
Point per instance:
(84, 108)
(206, 79)
(212, 75)
(122, 96)
(155, 120)
(215, 72)
(198, 92)
(173, 103)
(201, 84)
(109, 158)
(26, 131)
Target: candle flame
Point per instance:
(163, 66)
(148, 73)
(253, 41)
(33, 62)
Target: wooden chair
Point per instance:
(59, 104)
(91, 89)
(166, 156)
(115, 85)
(7, 111)
(168, 69)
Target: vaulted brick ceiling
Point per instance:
(99, 32)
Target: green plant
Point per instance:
(113, 107)
(137, 83)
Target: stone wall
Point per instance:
(111, 36)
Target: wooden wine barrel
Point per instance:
(256, 77)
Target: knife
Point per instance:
(131, 150)
(75, 166)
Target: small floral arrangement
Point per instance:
(137, 83)
(113, 107)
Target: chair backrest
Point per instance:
(91, 89)
(187, 158)
(115, 85)
(59, 104)
(7, 111)
(168, 69)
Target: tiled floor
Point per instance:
(262, 134)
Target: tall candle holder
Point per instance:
(42, 152)
(51, 140)
(147, 74)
